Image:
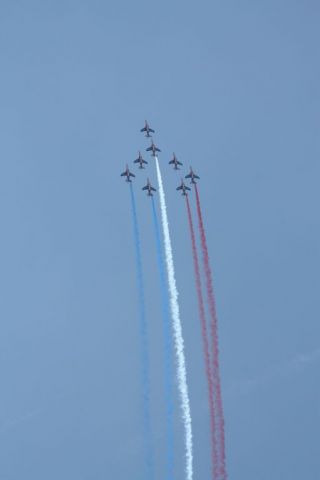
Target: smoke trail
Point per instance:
(202, 315)
(168, 357)
(214, 335)
(177, 331)
(149, 459)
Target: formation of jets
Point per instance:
(154, 149)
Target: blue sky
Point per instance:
(232, 88)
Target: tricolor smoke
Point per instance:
(168, 357)
(206, 350)
(147, 433)
(214, 336)
(177, 331)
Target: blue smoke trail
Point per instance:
(149, 457)
(168, 355)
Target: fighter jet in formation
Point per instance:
(140, 160)
(127, 174)
(150, 188)
(147, 129)
(153, 148)
(175, 162)
(183, 187)
(192, 175)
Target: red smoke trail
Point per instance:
(205, 345)
(214, 335)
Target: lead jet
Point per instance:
(127, 174)
(183, 187)
(175, 162)
(140, 160)
(150, 188)
(193, 176)
(147, 129)
(153, 148)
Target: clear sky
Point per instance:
(233, 88)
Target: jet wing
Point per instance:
(146, 187)
(157, 149)
(131, 174)
(180, 188)
(153, 189)
(123, 174)
(137, 161)
(196, 176)
(143, 129)
(171, 162)
(179, 163)
(188, 176)
(144, 161)
(187, 188)
(148, 149)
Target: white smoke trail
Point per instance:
(177, 329)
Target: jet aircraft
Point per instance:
(147, 129)
(140, 160)
(183, 187)
(127, 174)
(150, 188)
(153, 148)
(192, 175)
(175, 162)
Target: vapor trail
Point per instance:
(168, 358)
(149, 458)
(206, 350)
(214, 336)
(177, 331)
